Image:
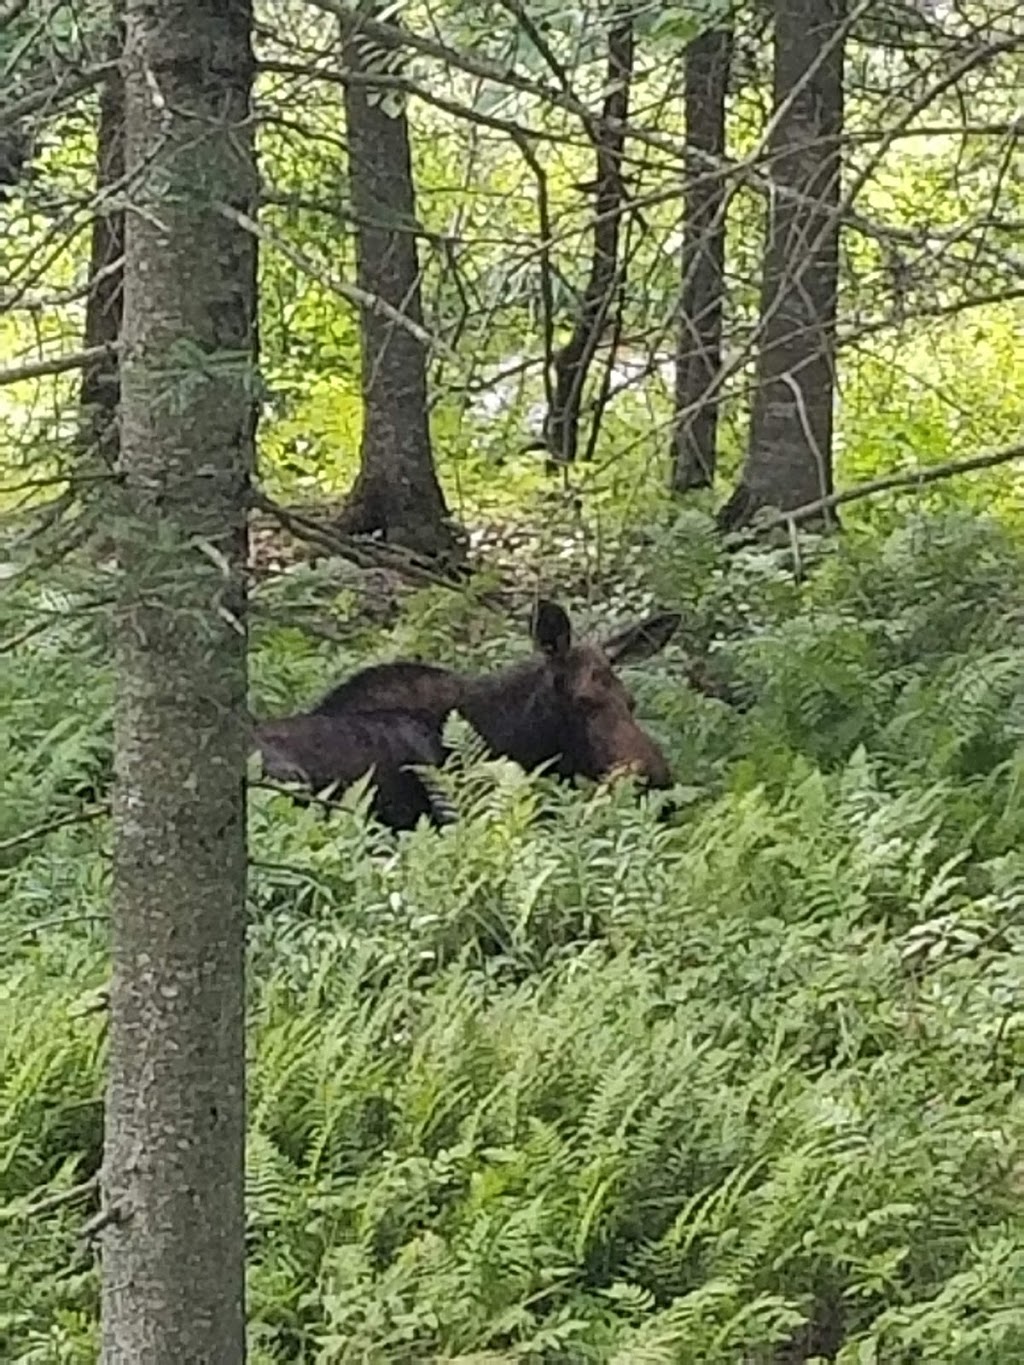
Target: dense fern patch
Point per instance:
(567, 1083)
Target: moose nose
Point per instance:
(652, 768)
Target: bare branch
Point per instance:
(351, 292)
(58, 364)
(62, 822)
(48, 1203)
(913, 478)
(51, 95)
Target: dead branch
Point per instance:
(364, 553)
(915, 478)
(601, 303)
(51, 826)
(351, 292)
(104, 1219)
(42, 926)
(51, 95)
(58, 364)
(51, 1201)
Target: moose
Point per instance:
(323, 751)
(565, 706)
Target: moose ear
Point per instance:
(645, 639)
(551, 630)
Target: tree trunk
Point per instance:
(100, 393)
(15, 150)
(173, 1246)
(19, 33)
(789, 460)
(602, 297)
(699, 339)
(397, 491)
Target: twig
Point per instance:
(388, 80)
(26, 485)
(58, 364)
(49, 95)
(104, 1219)
(27, 835)
(305, 796)
(364, 553)
(910, 479)
(50, 1202)
(58, 922)
(352, 292)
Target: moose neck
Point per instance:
(517, 715)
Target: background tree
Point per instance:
(100, 392)
(789, 460)
(17, 135)
(600, 305)
(397, 491)
(699, 336)
(173, 1248)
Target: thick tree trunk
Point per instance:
(789, 460)
(100, 393)
(173, 1249)
(699, 338)
(397, 491)
(602, 297)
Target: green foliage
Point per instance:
(567, 1083)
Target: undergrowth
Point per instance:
(567, 1083)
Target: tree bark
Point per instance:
(397, 491)
(789, 459)
(17, 138)
(100, 394)
(15, 149)
(173, 1245)
(699, 338)
(602, 297)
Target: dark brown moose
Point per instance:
(564, 707)
(321, 751)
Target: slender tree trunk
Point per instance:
(602, 297)
(15, 149)
(397, 491)
(789, 460)
(173, 1247)
(100, 393)
(18, 32)
(699, 338)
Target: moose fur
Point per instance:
(565, 706)
(321, 751)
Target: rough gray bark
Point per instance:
(397, 491)
(699, 338)
(789, 459)
(101, 389)
(173, 1246)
